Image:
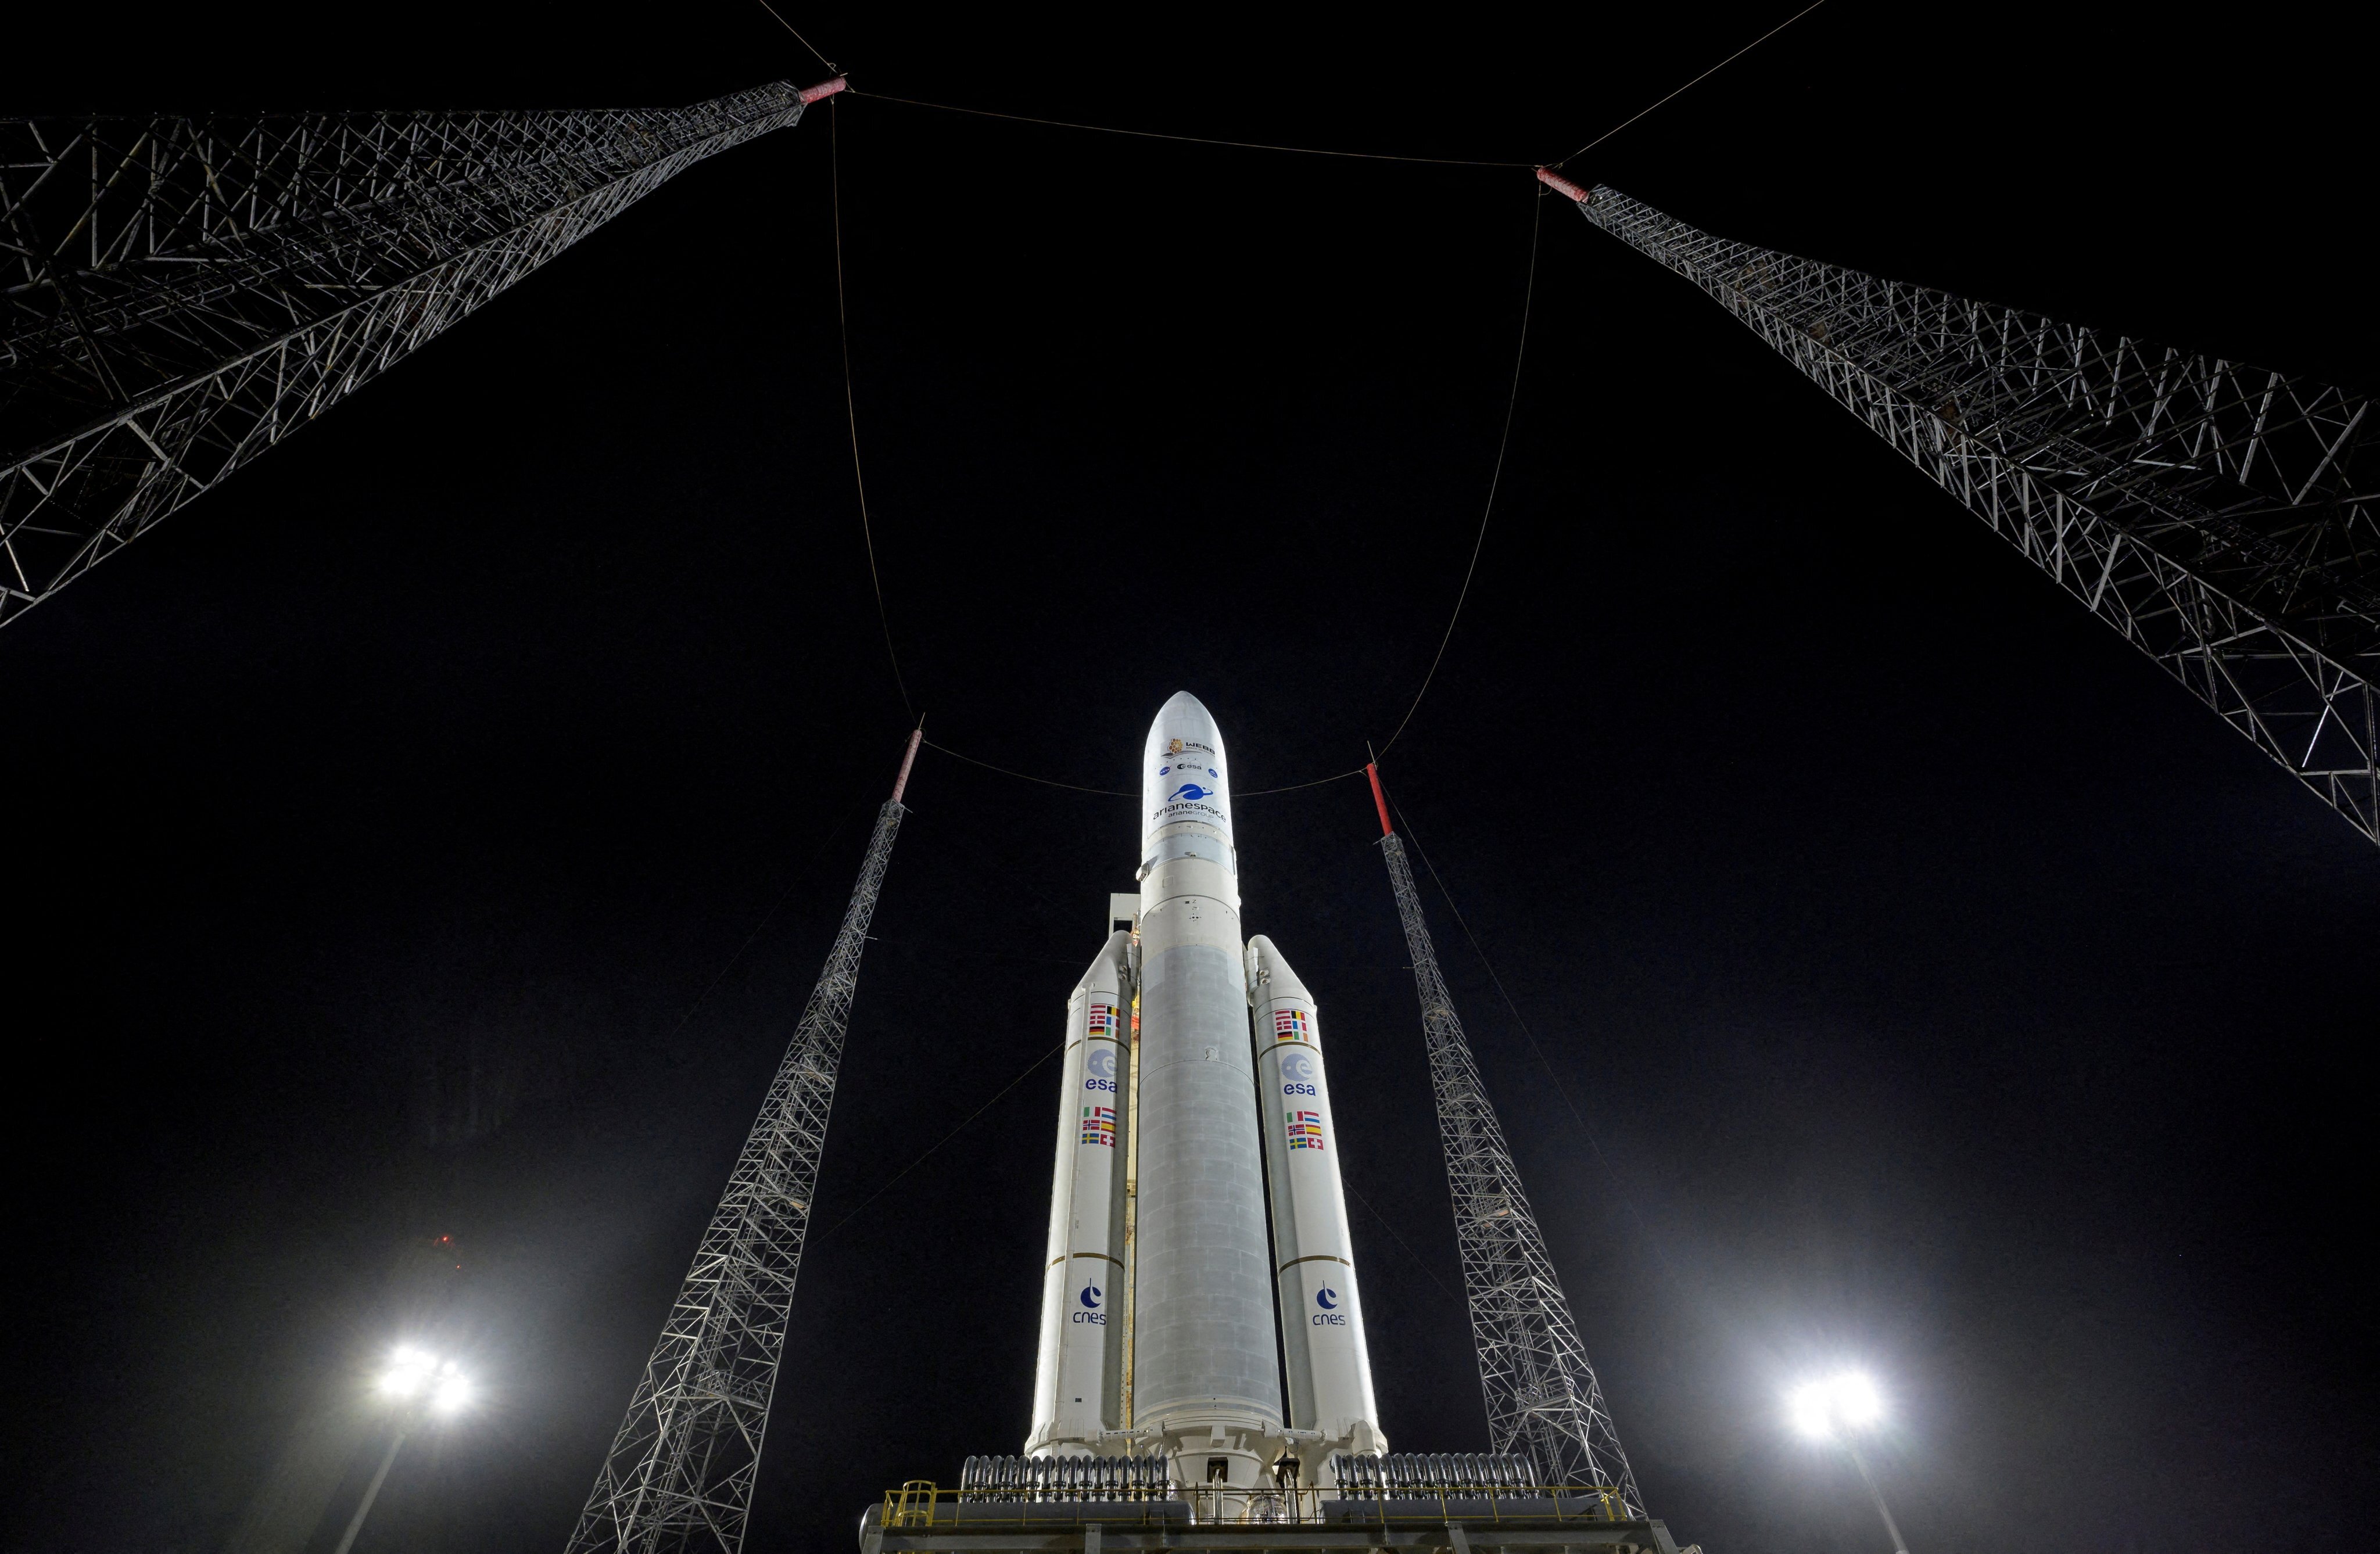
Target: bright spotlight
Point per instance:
(1854, 1398)
(1811, 1409)
(452, 1393)
(1821, 1408)
(409, 1370)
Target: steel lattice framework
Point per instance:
(679, 1474)
(180, 293)
(2222, 517)
(1543, 1398)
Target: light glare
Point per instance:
(1854, 1398)
(409, 1371)
(1820, 1408)
(439, 1383)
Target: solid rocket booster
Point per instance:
(1204, 1356)
(1077, 1381)
(1329, 1362)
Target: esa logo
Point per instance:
(1091, 1314)
(1330, 1315)
(1101, 1067)
(1297, 1075)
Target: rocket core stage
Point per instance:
(1223, 1082)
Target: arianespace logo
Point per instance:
(1330, 1315)
(1188, 791)
(1092, 1314)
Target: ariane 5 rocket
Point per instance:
(1198, 1255)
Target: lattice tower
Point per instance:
(680, 1471)
(2222, 517)
(183, 293)
(1543, 1398)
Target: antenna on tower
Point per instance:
(1543, 1398)
(2222, 517)
(679, 1474)
(184, 292)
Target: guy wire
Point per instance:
(1520, 354)
(1714, 70)
(851, 404)
(797, 37)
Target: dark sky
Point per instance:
(1947, 990)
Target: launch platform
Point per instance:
(920, 1518)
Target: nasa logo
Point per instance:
(1191, 791)
(1091, 1316)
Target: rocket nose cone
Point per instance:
(1181, 707)
(1185, 776)
(1183, 721)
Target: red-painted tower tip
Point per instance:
(824, 89)
(1379, 800)
(1564, 187)
(901, 783)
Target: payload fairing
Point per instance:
(1173, 1305)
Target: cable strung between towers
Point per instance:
(679, 1474)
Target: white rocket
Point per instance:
(1225, 1082)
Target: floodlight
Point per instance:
(1845, 1401)
(409, 1370)
(1811, 1409)
(1854, 1400)
(1838, 1409)
(452, 1394)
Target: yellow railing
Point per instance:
(919, 1503)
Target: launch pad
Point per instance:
(920, 1519)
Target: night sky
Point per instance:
(434, 832)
